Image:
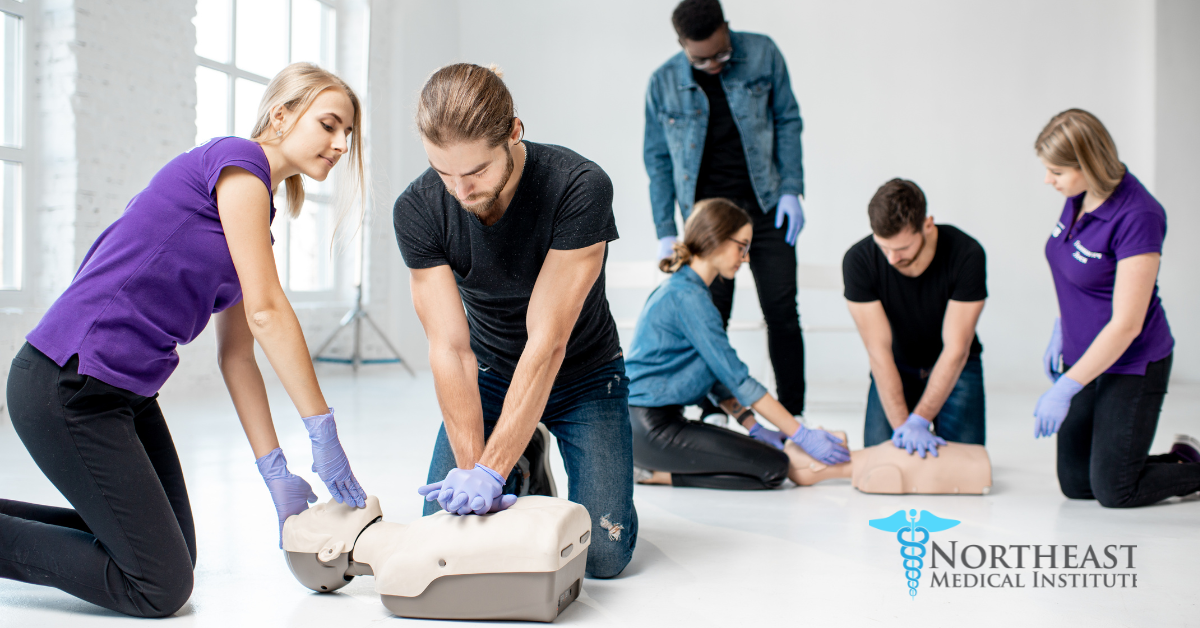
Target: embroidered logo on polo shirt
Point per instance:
(1082, 254)
(1058, 228)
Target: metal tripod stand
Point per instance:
(357, 315)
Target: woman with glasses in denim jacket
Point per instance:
(681, 353)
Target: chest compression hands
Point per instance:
(466, 492)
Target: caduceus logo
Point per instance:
(913, 549)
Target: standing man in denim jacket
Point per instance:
(721, 121)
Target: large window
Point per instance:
(12, 143)
(241, 45)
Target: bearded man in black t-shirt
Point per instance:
(916, 290)
(506, 241)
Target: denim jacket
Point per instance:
(765, 112)
(680, 351)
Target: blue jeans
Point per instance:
(590, 418)
(961, 419)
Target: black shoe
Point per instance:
(534, 466)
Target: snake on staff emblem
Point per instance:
(913, 549)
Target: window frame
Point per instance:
(337, 292)
(26, 154)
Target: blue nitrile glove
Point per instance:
(1053, 405)
(1053, 352)
(329, 461)
(291, 493)
(821, 445)
(466, 492)
(789, 207)
(770, 437)
(666, 246)
(914, 435)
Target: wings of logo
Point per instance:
(913, 549)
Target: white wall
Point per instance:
(948, 94)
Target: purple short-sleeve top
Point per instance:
(1083, 256)
(155, 276)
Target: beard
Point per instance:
(483, 204)
(909, 262)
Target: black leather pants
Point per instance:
(700, 455)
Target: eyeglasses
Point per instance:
(743, 247)
(703, 63)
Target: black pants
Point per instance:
(700, 455)
(773, 263)
(130, 543)
(1104, 442)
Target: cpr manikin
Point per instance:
(523, 563)
(958, 469)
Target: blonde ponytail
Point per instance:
(680, 257)
(713, 221)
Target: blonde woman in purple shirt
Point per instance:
(82, 392)
(1110, 352)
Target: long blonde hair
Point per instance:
(713, 221)
(295, 88)
(1077, 139)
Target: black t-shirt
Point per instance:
(916, 306)
(723, 171)
(563, 202)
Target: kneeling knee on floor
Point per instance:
(164, 598)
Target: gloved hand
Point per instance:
(914, 435)
(1053, 405)
(770, 437)
(1053, 352)
(789, 207)
(821, 445)
(329, 461)
(465, 492)
(666, 246)
(291, 493)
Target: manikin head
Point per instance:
(703, 33)
(470, 131)
(310, 119)
(718, 233)
(1079, 155)
(899, 225)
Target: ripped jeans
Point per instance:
(589, 416)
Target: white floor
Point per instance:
(704, 558)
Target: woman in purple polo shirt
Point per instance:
(1110, 352)
(82, 391)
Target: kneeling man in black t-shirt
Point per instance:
(506, 240)
(915, 290)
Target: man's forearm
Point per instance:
(889, 387)
(942, 380)
(456, 380)
(523, 405)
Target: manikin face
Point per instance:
(474, 173)
(728, 257)
(1068, 181)
(905, 247)
(315, 141)
(707, 49)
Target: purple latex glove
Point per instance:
(770, 437)
(330, 463)
(914, 435)
(821, 445)
(291, 493)
(789, 207)
(1050, 360)
(1053, 405)
(469, 492)
(666, 247)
